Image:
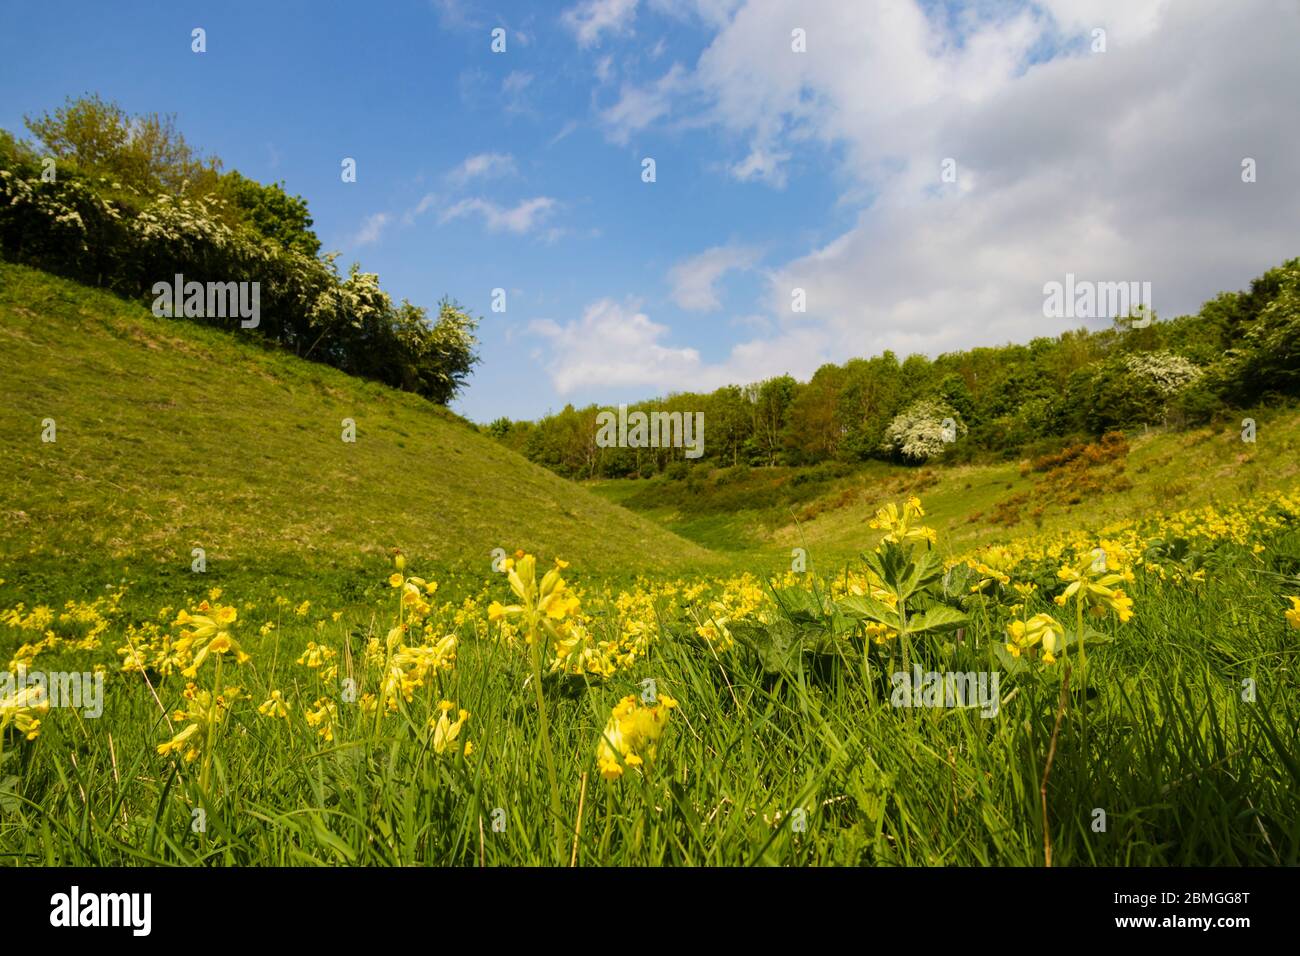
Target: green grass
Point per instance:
(1187, 772)
(758, 516)
(172, 436)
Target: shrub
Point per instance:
(917, 433)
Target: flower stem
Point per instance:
(546, 742)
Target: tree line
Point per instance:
(1007, 401)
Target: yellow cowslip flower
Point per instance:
(181, 742)
(21, 708)
(206, 633)
(201, 712)
(880, 633)
(302, 609)
(1041, 628)
(542, 605)
(399, 561)
(1095, 588)
(1293, 615)
(632, 735)
(274, 706)
(324, 714)
(577, 654)
(987, 576)
(222, 643)
(445, 730)
(317, 655)
(898, 526)
(396, 580)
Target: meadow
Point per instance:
(423, 649)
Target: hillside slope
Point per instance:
(172, 436)
(759, 515)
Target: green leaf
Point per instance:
(777, 645)
(801, 604)
(941, 617)
(9, 794)
(922, 569)
(865, 607)
(1012, 665)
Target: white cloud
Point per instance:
(616, 345)
(565, 131)
(371, 229)
(639, 106)
(694, 280)
(518, 219)
(452, 15)
(589, 19)
(761, 165)
(612, 345)
(482, 166)
(1116, 166)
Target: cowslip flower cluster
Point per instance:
(203, 713)
(631, 737)
(205, 633)
(446, 730)
(20, 710)
(541, 605)
(1094, 587)
(898, 525)
(1040, 629)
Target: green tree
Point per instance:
(272, 212)
(146, 153)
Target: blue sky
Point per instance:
(775, 169)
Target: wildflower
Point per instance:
(987, 576)
(445, 730)
(181, 742)
(324, 714)
(543, 604)
(1096, 589)
(20, 709)
(274, 706)
(205, 634)
(632, 735)
(396, 580)
(1041, 628)
(203, 713)
(1293, 615)
(898, 525)
(880, 633)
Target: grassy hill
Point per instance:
(172, 436)
(760, 514)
